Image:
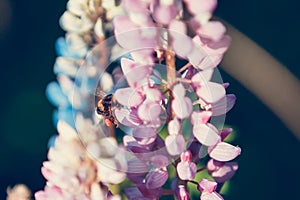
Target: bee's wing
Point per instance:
(99, 94)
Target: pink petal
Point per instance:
(182, 107)
(178, 91)
(186, 170)
(126, 32)
(199, 6)
(133, 193)
(224, 152)
(224, 172)
(143, 55)
(182, 50)
(211, 47)
(202, 77)
(133, 37)
(186, 156)
(137, 167)
(146, 141)
(213, 30)
(135, 73)
(211, 92)
(225, 132)
(133, 146)
(160, 161)
(144, 132)
(175, 144)
(200, 117)
(211, 196)
(127, 117)
(210, 61)
(174, 127)
(149, 194)
(177, 27)
(153, 94)
(224, 105)
(207, 186)
(128, 97)
(135, 5)
(220, 47)
(149, 111)
(196, 56)
(156, 179)
(205, 134)
(182, 193)
(164, 14)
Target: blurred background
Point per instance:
(269, 164)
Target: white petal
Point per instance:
(211, 92)
(211, 196)
(66, 131)
(205, 134)
(224, 152)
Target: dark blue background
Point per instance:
(269, 164)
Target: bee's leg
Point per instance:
(116, 122)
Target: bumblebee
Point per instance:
(104, 108)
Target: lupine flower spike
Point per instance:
(136, 96)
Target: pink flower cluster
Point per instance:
(166, 97)
(157, 33)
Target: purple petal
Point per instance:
(211, 92)
(160, 161)
(224, 172)
(224, 152)
(137, 167)
(182, 107)
(225, 132)
(156, 179)
(133, 193)
(128, 97)
(186, 170)
(149, 194)
(224, 105)
(175, 144)
(146, 141)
